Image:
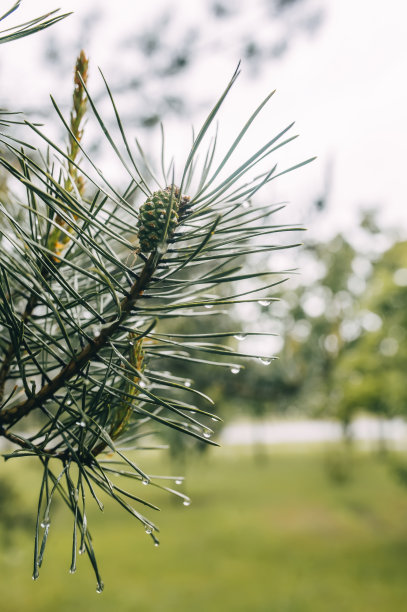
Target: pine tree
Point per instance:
(89, 276)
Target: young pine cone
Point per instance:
(153, 217)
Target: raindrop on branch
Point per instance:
(162, 248)
(240, 336)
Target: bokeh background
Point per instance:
(304, 506)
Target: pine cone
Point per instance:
(153, 217)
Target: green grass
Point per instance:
(262, 537)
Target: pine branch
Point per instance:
(56, 242)
(30, 27)
(11, 415)
(104, 273)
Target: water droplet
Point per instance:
(214, 419)
(186, 502)
(178, 481)
(264, 302)
(162, 248)
(39, 236)
(35, 575)
(72, 570)
(156, 543)
(82, 550)
(148, 529)
(240, 336)
(80, 423)
(246, 204)
(235, 369)
(265, 360)
(193, 411)
(45, 523)
(131, 343)
(207, 434)
(187, 383)
(99, 587)
(145, 481)
(142, 384)
(208, 306)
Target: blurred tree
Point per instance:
(341, 325)
(173, 42)
(371, 374)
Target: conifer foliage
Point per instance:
(90, 276)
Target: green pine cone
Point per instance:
(153, 218)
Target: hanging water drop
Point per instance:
(145, 481)
(240, 336)
(246, 204)
(187, 383)
(235, 369)
(99, 587)
(72, 570)
(214, 419)
(208, 306)
(186, 502)
(148, 529)
(162, 248)
(156, 543)
(264, 302)
(265, 360)
(178, 481)
(80, 423)
(207, 434)
(142, 384)
(45, 522)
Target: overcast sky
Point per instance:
(345, 86)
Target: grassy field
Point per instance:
(263, 536)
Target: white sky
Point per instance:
(345, 87)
